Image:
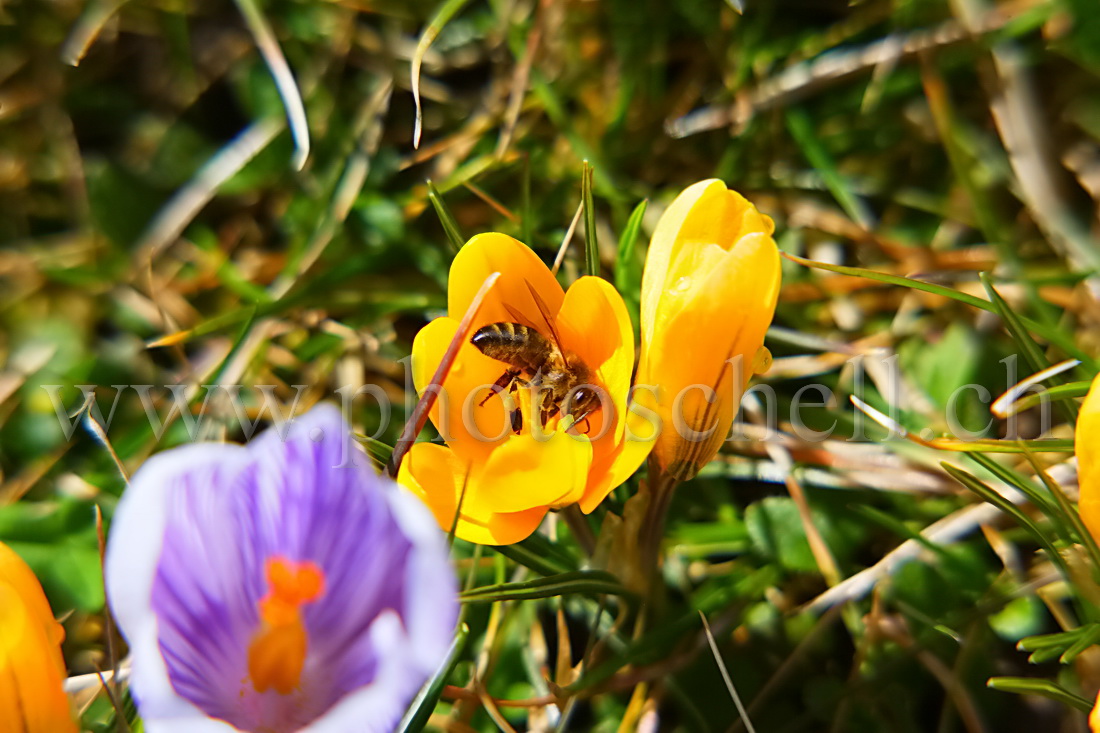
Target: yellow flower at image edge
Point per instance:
(506, 468)
(1087, 446)
(709, 291)
(31, 667)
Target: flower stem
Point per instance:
(580, 528)
(660, 486)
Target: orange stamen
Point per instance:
(277, 653)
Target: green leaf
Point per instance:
(1019, 617)
(1064, 645)
(539, 554)
(777, 533)
(424, 704)
(775, 527)
(628, 267)
(1040, 687)
(58, 542)
(591, 582)
(1070, 514)
(1033, 354)
(945, 365)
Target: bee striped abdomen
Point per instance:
(514, 344)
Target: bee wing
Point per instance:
(547, 316)
(517, 317)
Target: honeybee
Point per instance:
(540, 363)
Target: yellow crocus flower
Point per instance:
(709, 291)
(505, 468)
(31, 667)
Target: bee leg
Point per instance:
(517, 421)
(506, 380)
(587, 426)
(547, 408)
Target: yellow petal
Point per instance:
(468, 426)
(436, 475)
(702, 197)
(594, 323)
(518, 266)
(31, 670)
(531, 471)
(16, 573)
(704, 213)
(610, 470)
(1088, 459)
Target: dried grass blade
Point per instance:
(420, 413)
(282, 76)
(442, 16)
(726, 675)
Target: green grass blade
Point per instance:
(1019, 481)
(1033, 354)
(446, 218)
(1043, 445)
(1042, 688)
(1062, 640)
(1061, 392)
(377, 451)
(527, 215)
(590, 582)
(803, 131)
(654, 643)
(424, 703)
(1089, 637)
(1052, 335)
(1070, 513)
(993, 497)
(539, 554)
(591, 245)
(905, 282)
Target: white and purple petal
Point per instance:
(186, 571)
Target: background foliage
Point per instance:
(156, 232)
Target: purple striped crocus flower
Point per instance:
(278, 586)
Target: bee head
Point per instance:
(583, 401)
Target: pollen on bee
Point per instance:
(278, 649)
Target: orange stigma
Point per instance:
(277, 653)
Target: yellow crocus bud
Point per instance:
(708, 295)
(1088, 459)
(31, 667)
